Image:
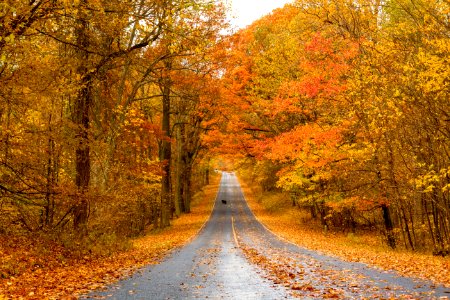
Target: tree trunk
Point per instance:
(430, 226)
(437, 231)
(207, 174)
(166, 156)
(82, 158)
(323, 213)
(314, 209)
(179, 205)
(187, 187)
(388, 226)
(407, 230)
(82, 123)
(50, 177)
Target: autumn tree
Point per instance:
(81, 120)
(193, 68)
(338, 97)
(27, 172)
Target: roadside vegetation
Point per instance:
(114, 113)
(295, 224)
(37, 267)
(103, 105)
(344, 106)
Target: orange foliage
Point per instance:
(287, 223)
(41, 275)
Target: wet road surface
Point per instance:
(235, 257)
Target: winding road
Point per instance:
(235, 257)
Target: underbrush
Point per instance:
(29, 252)
(278, 205)
(273, 202)
(52, 266)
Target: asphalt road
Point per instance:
(235, 257)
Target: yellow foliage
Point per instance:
(295, 226)
(82, 275)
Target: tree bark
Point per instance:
(388, 226)
(207, 173)
(166, 154)
(81, 120)
(187, 188)
(179, 176)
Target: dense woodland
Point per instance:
(347, 102)
(103, 104)
(113, 112)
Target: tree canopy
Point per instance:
(112, 113)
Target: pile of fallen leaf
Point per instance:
(280, 271)
(54, 276)
(287, 223)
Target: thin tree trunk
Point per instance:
(178, 201)
(187, 187)
(50, 176)
(437, 230)
(388, 226)
(400, 222)
(408, 232)
(430, 226)
(82, 123)
(8, 124)
(166, 156)
(207, 174)
(413, 223)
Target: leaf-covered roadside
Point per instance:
(55, 277)
(287, 223)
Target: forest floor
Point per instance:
(44, 272)
(295, 226)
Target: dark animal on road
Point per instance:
(224, 201)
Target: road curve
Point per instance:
(235, 257)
